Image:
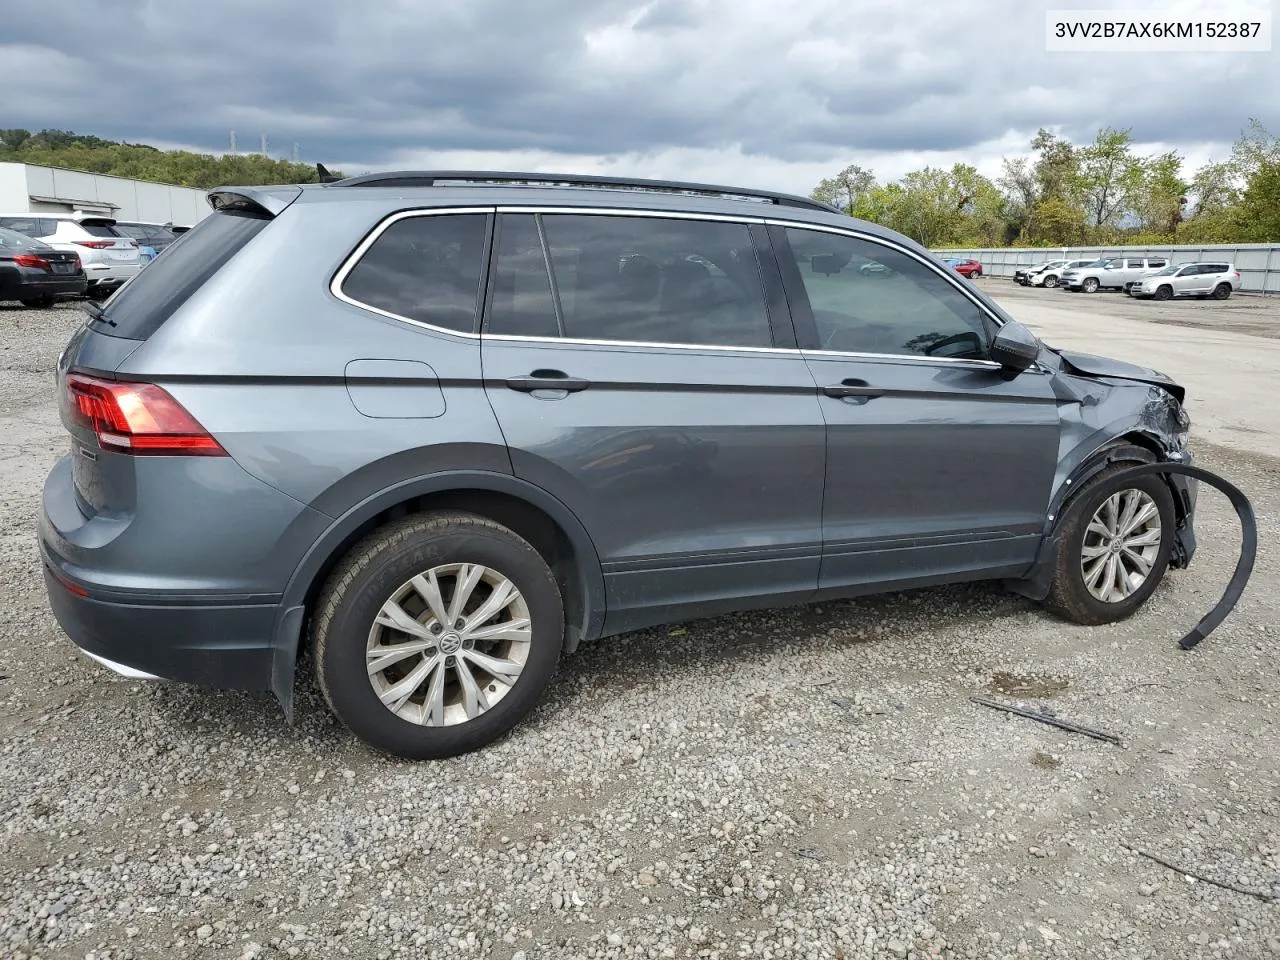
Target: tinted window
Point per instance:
(11, 241)
(423, 268)
(1214, 268)
(1153, 263)
(522, 303)
(30, 226)
(859, 306)
(100, 229)
(148, 299)
(1189, 271)
(632, 279)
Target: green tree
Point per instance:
(1109, 177)
(846, 189)
(1161, 194)
(62, 148)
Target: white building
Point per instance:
(28, 188)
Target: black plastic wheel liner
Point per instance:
(1248, 541)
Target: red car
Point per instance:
(966, 268)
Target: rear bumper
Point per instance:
(114, 274)
(191, 640)
(35, 289)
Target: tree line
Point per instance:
(138, 161)
(1102, 193)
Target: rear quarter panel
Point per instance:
(259, 355)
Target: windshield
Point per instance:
(11, 240)
(1048, 266)
(1169, 271)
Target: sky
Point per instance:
(755, 93)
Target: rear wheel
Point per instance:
(1090, 285)
(1222, 291)
(1164, 292)
(39, 303)
(437, 634)
(1117, 538)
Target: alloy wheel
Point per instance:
(1120, 545)
(449, 644)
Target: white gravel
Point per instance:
(794, 784)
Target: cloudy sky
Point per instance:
(754, 92)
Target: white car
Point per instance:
(1215, 280)
(109, 257)
(1047, 274)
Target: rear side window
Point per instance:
(426, 269)
(1154, 263)
(139, 308)
(629, 280)
(31, 226)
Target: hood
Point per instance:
(1088, 365)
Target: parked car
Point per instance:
(1111, 273)
(467, 469)
(965, 267)
(157, 236)
(1216, 279)
(109, 258)
(1047, 274)
(35, 273)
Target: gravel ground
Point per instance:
(801, 783)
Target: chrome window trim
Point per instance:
(349, 263)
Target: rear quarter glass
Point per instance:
(144, 303)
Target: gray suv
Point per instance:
(1116, 273)
(438, 429)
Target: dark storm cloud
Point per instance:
(796, 82)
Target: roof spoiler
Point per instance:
(271, 201)
(324, 175)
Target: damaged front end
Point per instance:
(1113, 412)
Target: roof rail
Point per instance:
(433, 178)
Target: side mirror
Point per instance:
(1015, 347)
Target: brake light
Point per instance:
(137, 418)
(31, 260)
(95, 244)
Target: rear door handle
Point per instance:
(548, 380)
(852, 388)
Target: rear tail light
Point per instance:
(95, 244)
(31, 260)
(137, 418)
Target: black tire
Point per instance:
(1222, 291)
(1164, 292)
(1051, 281)
(40, 303)
(369, 576)
(1068, 597)
(1090, 285)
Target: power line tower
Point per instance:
(233, 143)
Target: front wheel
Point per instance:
(1051, 281)
(39, 303)
(1222, 291)
(1091, 285)
(437, 634)
(1164, 292)
(1117, 538)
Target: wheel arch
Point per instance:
(529, 511)
(1134, 446)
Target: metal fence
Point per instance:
(1258, 263)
